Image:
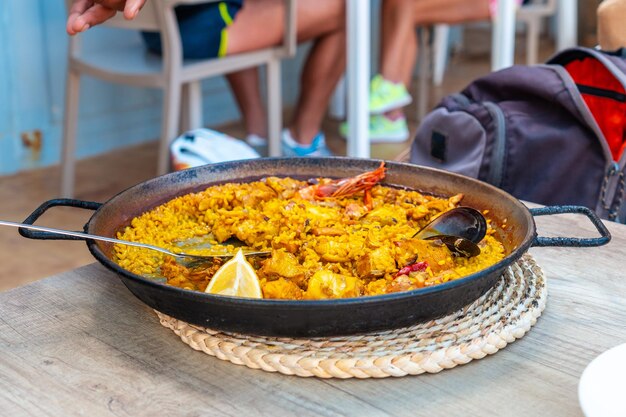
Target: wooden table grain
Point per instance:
(79, 343)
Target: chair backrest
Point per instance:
(149, 19)
(152, 19)
(544, 7)
(146, 20)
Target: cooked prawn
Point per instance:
(345, 187)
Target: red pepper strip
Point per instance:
(417, 266)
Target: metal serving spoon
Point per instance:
(185, 259)
(460, 229)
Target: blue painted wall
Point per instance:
(33, 54)
(6, 116)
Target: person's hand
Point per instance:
(87, 13)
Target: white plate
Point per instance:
(602, 386)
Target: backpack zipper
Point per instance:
(496, 169)
(619, 198)
(613, 207)
(582, 108)
(601, 92)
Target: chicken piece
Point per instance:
(201, 275)
(284, 187)
(317, 213)
(221, 232)
(282, 289)
(291, 246)
(376, 287)
(387, 215)
(283, 264)
(171, 269)
(456, 199)
(355, 211)
(332, 251)
(437, 255)
(376, 263)
(327, 231)
(406, 283)
(254, 194)
(325, 284)
(254, 229)
(418, 213)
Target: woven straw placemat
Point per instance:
(505, 313)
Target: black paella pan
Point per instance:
(309, 318)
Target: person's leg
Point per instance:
(202, 29)
(399, 46)
(398, 40)
(258, 25)
(449, 11)
(245, 87)
(399, 19)
(388, 89)
(398, 52)
(323, 69)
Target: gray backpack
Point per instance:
(550, 134)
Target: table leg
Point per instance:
(503, 36)
(567, 21)
(358, 73)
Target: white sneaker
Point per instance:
(255, 140)
(292, 148)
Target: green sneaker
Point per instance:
(382, 129)
(386, 95)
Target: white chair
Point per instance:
(178, 78)
(503, 36)
(531, 14)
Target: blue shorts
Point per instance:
(202, 29)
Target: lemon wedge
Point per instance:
(236, 277)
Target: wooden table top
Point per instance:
(79, 343)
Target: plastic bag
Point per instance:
(205, 146)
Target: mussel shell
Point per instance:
(460, 246)
(465, 222)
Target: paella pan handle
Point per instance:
(605, 235)
(63, 202)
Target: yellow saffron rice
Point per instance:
(320, 248)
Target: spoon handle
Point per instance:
(86, 236)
